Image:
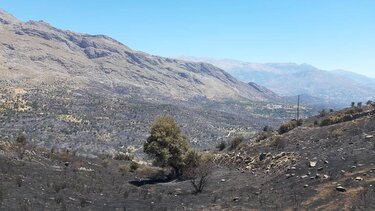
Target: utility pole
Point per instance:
(298, 108)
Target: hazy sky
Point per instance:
(329, 34)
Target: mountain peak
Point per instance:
(7, 18)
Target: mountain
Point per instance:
(38, 52)
(289, 79)
(94, 94)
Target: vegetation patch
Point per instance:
(69, 118)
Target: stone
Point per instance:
(359, 178)
(369, 136)
(312, 164)
(236, 198)
(325, 176)
(320, 169)
(306, 186)
(304, 176)
(340, 189)
(222, 180)
(262, 156)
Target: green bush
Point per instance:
(166, 144)
(192, 159)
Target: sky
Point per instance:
(328, 34)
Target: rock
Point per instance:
(320, 169)
(312, 164)
(262, 156)
(280, 155)
(236, 199)
(369, 137)
(340, 189)
(325, 176)
(304, 176)
(359, 178)
(306, 186)
(326, 162)
(288, 176)
(222, 180)
(317, 176)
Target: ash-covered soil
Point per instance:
(308, 168)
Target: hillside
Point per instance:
(309, 168)
(36, 52)
(335, 88)
(93, 94)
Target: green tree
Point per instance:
(167, 145)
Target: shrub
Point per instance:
(166, 144)
(19, 181)
(340, 116)
(278, 142)
(322, 113)
(21, 140)
(57, 186)
(192, 159)
(288, 126)
(123, 156)
(200, 174)
(235, 143)
(123, 168)
(262, 136)
(134, 166)
(221, 146)
(105, 163)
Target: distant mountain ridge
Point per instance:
(289, 79)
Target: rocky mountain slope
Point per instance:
(309, 168)
(289, 79)
(36, 52)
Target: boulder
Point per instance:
(369, 136)
(340, 189)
